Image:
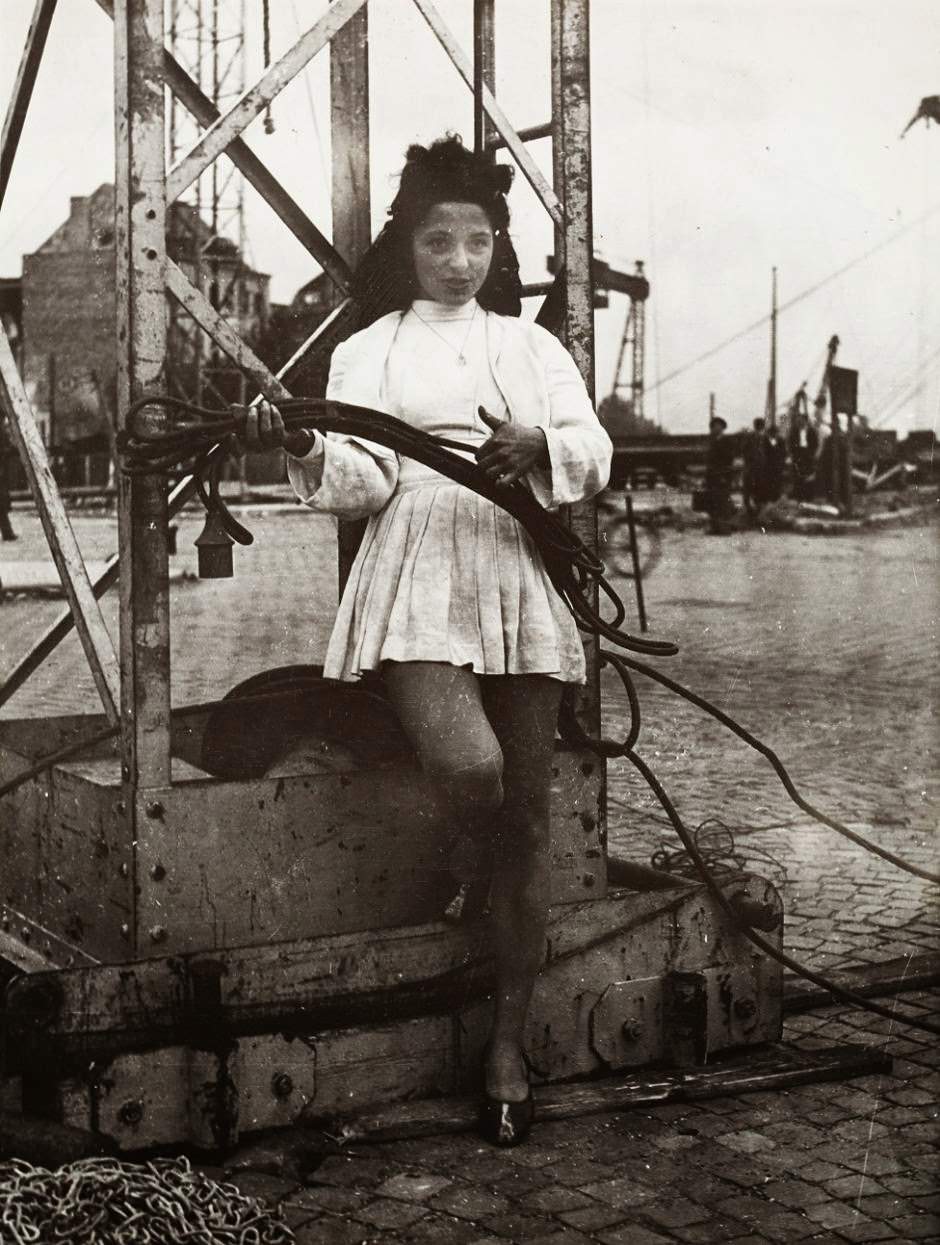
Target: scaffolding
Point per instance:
(187, 982)
(206, 232)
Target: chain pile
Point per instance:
(103, 1201)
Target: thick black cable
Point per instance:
(688, 842)
(780, 769)
(572, 567)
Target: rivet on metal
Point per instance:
(632, 1030)
(282, 1085)
(745, 1009)
(158, 873)
(157, 933)
(124, 869)
(25, 933)
(131, 1112)
(125, 931)
(155, 809)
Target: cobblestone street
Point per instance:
(826, 649)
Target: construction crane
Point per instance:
(637, 288)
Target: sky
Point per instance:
(729, 137)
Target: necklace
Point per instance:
(461, 357)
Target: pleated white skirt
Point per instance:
(444, 575)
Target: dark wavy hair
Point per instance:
(445, 172)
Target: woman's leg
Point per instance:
(441, 712)
(523, 712)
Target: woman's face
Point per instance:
(452, 250)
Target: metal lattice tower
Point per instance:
(206, 231)
(634, 339)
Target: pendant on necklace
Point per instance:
(461, 361)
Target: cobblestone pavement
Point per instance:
(826, 650)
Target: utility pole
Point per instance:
(771, 406)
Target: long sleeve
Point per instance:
(579, 448)
(346, 476)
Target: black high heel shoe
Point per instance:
(504, 1123)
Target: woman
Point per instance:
(448, 596)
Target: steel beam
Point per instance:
(571, 108)
(484, 71)
(59, 535)
(230, 126)
(23, 88)
(253, 170)
(140, 245)
(464, 67)
(351, 189)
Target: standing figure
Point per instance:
(753, 479)
(719, 474)
(803, 446)
(775, 461)
(448, 597)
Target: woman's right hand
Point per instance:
(261, 427)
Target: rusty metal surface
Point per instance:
(350, 192)
(140, 248)
(303, 985)
(66, 886)
(605, 1001)
(223, 864)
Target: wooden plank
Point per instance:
(140, 247)
(254, 101)
(222, 333)
(464, 67)
(782, 1068)
(914, 972)
(253, 169)
(59, 535)
(23, 88)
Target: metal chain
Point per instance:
(103, 1201)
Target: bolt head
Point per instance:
(282, 1085)
(131, 1112)
(745, 1009)
(631, 1030)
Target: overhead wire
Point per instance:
(796, 299)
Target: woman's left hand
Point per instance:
(512, 451)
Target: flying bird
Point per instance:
(929, 110)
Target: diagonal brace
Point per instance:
(23, 89)
(61, 539)
(230, 126)
(462, 64)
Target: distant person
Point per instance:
(6, 453)
(753, 480)
(719, 472)
(775, 460)
(803, 447)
